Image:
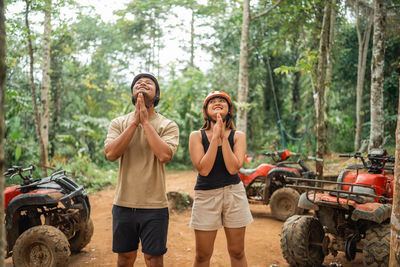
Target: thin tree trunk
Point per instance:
(394, 259)
(296, 105)
(45, 97)
(269, 69)
(363, 43)
(319, 18)
(3, 76)
(33, 89)
(192, 40)
(55, 118)
(296, 101)
(377, 74)
(320, 98)
(243, 86)
(329, 67)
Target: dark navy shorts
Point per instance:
(149, 226)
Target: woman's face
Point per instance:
(217, 105)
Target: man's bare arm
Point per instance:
(117, 147)
(159, 147)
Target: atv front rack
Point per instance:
(336, 196)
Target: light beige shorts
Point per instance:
(227, 206)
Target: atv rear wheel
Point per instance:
(82, 237)
(299, 238)
(376, 249)
(284, 202)
(44, 246)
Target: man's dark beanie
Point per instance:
(146, 75)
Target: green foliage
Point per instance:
(181, 101)
(180, 201)
(92, 176)
(92, 63)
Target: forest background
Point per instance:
(68, 76)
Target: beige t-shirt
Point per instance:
(141, 176)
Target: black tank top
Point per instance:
(219, 175)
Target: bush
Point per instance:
(90, 175)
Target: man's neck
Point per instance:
(151, 112)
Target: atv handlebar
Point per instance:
(281, 155)
(376, 161)
(376, 157)
(18, 170)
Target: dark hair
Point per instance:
(228, 124)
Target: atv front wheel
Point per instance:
(376, 249)
(301, 239)
(82, 237)
(284, 202)
(44, 246)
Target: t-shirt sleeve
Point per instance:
(114, 130)
(171, 136)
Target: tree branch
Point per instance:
(266, 11)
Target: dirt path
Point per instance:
(262, 236)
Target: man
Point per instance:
(143, 141)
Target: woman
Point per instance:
(217, 153)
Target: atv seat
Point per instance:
(247, 171)
(289, 165)
(356, 198)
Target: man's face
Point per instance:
(147, 87)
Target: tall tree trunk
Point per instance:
(296, 105)
(243, 85)
(269, 69)
(394, 259)
(3, 72)
(45, 97)
(363, 43)
(55, 118)
(377, 74)
(329, 68)
(296, 101)
(320, 98)
(316, 30)
(32, 87)
(192, 40)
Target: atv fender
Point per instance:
(282, 172)
(26, 200)
(306, 204)
(375, 212)
(276, 172)
(267, 191)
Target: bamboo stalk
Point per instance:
(395, 220)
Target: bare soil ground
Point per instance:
(262, 236)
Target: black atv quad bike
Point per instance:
(45, 219)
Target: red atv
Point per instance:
(350, 215)
(45, 219)
(266, 184)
